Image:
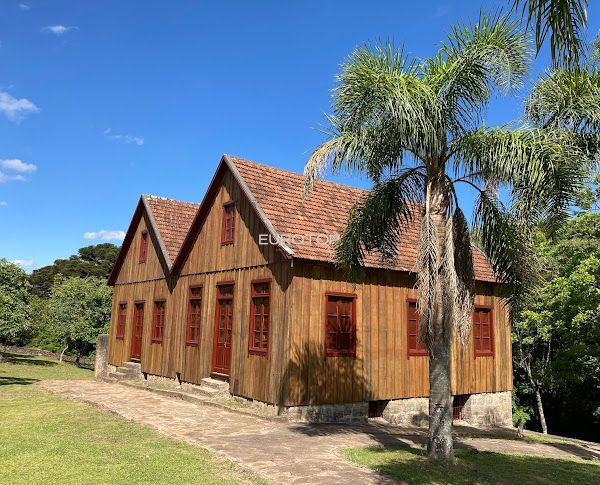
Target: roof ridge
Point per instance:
(291, 172)
(160, 197)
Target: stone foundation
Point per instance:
(413, 411)
(329, 413)
(493, 409)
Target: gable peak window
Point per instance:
(260, 317)
(414, 344)
(158, 321)
(483, 331)
(340, 325)
(228, 223)
(192, 332)
(121, 319)
(143, 246)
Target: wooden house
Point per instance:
(242, 288)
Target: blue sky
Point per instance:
(102, 100)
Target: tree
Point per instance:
(14, 303)
(414, 129)
(79, 310)
(556, 334)
(565, 20)
(94, 260)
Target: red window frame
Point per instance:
(479, 337)
(121, 319)
(194, 315)
(257, 309)
(143, 246)
(158, 320)
(228, 223)
(333, 335)
(413, 344)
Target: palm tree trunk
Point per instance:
(439, 446)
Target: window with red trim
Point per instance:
(340, 325)
(192, 332)
(121, 319)
(143, 246)
(228, 223)
(260, 317)
(158, 321)
(415, 346)
(483, 331)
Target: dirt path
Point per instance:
(280, 452)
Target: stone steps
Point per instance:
(129, 371)
(211, 388)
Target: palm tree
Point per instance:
(414, 129)
(566, 21)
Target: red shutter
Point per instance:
(143, 246)
(121, 319)
(340, 325)
(483, 331)
(192, 334)
(228, 223)
(158, 321)
(414, 344)
(260, 317)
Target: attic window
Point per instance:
(228, 223)
(143, 246)
(483, 331)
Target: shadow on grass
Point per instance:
(10, 380)
(411, 465)
(25, 360)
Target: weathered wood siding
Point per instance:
(137, 281)
(209, 262)
(382, 368)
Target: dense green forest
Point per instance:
(61, 307)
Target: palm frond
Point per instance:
(494, 52)
(544, 169)
(507, 243)
(429, 291)
(566, 99)
(377, 222)
(565, 20)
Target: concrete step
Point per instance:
(206, 391)
(215, 384)
(119, 375)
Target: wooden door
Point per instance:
(223, 325)
(137, 330)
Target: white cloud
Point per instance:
(138, 140)
(58, 29)
(26, 264)
(105, 235)
(3, 203)
(442, 11)
(8, 178)
(16, 109)
(23, 7)
(18, 166)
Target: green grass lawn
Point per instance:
(412, 466)
(46, 439)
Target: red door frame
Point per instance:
(221, 360)
(137, 329)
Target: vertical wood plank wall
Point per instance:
(295, 371)
(382, 369)
(252, 376)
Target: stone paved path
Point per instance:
(280, 452)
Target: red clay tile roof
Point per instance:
(280, 195)
(173, 219)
